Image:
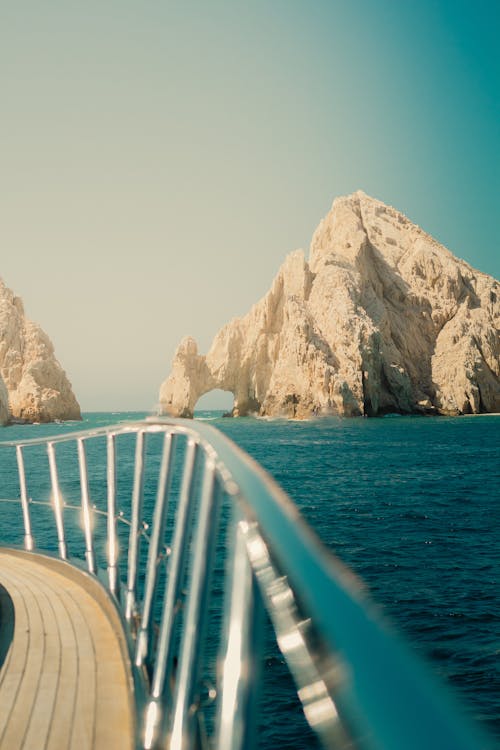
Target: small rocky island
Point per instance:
(381, 319)
(33, 386)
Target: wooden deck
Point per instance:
(65, 681)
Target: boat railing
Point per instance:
(222, 536)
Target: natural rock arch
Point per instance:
(216, 399)
(381, 319)
(193, 375)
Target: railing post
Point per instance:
(134, 537)
(86, 510)
(28, 536)
(111, 520)
(183, 725)
(163, 661)
(236, 722)
(174, 580)
(57, 501)
(158, 529)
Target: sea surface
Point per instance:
(411, 504)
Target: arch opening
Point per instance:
(216, 400)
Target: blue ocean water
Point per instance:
(412, 506)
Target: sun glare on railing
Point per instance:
(150, 724)
(112, 550)
(319, 708)
(232, 671)
(86, 521)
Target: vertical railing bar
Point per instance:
(86, 508)
(57, 502)
(29, 543)
(160, 512)
(183, 718)
(112, 541)
(134, 537)
(163, 659)
(240, 651)
(176, 566)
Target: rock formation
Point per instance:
(33, 386)
(381, 319)
(4, 403)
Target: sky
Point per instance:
(159, 160)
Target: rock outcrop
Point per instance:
(4, 403)
(33, 386)
(381, 319)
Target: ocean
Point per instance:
(411, 504)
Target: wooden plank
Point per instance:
(14, 665)
(66, 683)
(21, 682)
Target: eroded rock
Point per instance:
(381, 319)
(33, 386)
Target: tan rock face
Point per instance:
(4, 403)
(33, 386)
(382, 319)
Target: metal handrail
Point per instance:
(359, 686)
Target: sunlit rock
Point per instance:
(381, 319)
(4, 403)
(33, 386)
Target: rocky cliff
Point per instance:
(33, 386)
(381, 319)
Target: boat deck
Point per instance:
(65, 680)
(209, 545)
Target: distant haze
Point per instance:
(159, 160)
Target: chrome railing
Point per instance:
(220, 529)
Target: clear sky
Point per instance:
(158, 160)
